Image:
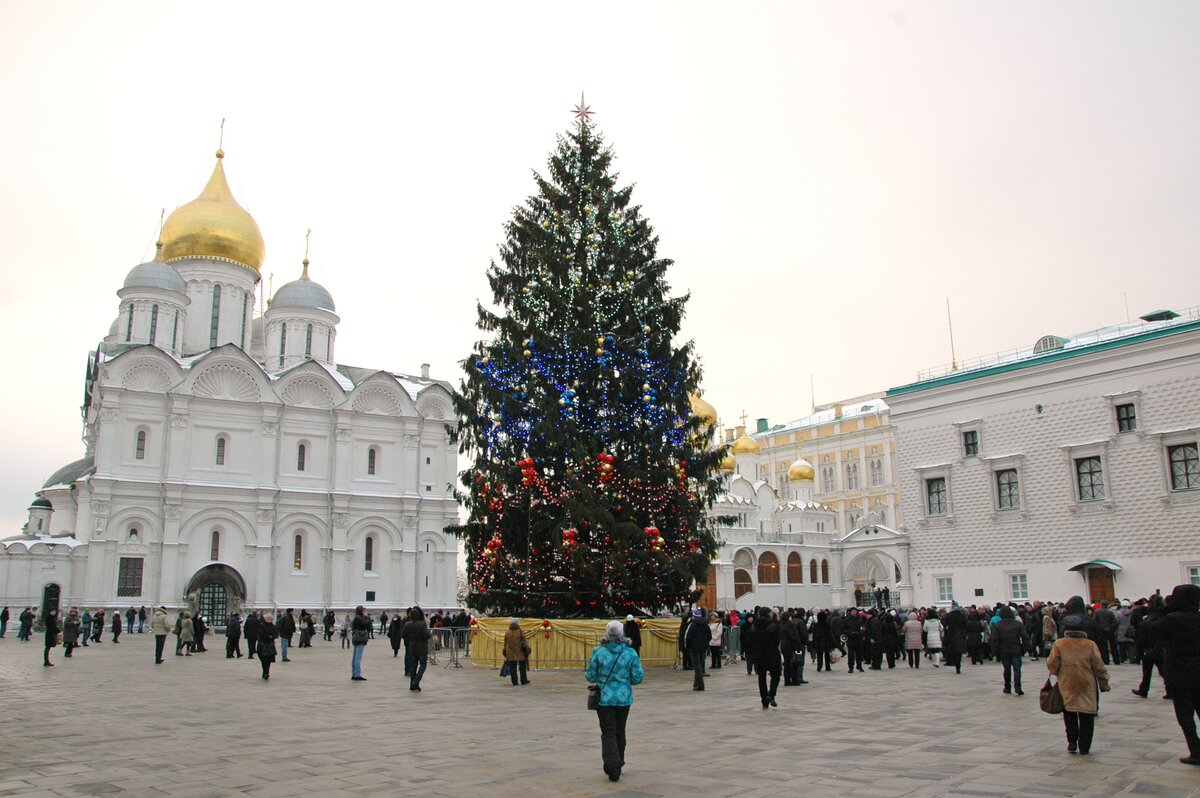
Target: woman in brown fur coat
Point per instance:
(1081, 678)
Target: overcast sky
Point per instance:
(824, 175)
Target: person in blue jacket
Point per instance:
(616, 667)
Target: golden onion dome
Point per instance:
(728, 464)
(214, 226)
(801, 471)
(744, 443)
(703, 410)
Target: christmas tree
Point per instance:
(590, 475)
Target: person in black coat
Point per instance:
(1179, 633)
(116, 626)
(286, 628)
(954, 636)
(1008, 643)
(1149, 644)
(792, 650)
(766, 656)
(746, 642)
(250, 629)
(416, 636)
(51, 637)
(329, 620)
(822, 641)
(974, 637)
(233, 636)
(200, 626)
(267, 635)
(393, 633)
(696, 638)
(633, 631)
(855, 634)
(889, 639)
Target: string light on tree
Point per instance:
(590, 476)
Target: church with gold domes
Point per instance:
(231, 462)
(781, 545)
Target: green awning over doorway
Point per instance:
(1109, 564)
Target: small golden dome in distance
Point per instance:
(801, 471)
(728, 464)
(744, 444)
(703, 410)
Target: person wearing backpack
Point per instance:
(616, 668)
(360, 633)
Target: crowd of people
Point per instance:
(1078, 642)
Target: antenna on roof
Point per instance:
(1125, 294)
(812, 393)
(950, 323)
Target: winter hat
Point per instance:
(697, 613)
(615, 629)
(1125, 603)
(629, 617)
(1185, 598)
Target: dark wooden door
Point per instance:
(1100, 585)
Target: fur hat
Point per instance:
(697, 613)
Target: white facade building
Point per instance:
(1069, 468)
(788, 552)
(231, 461)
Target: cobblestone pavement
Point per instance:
(110, 722)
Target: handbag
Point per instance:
(504, 669)
(359, 636)
(1050, 698)
(593, 699)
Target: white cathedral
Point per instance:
(231, 462)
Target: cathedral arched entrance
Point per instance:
(870, 571)
(215, 591)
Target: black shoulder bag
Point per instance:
(593, 701)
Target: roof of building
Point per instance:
(828, 415)
(1050, 348)
(68, 474)
(155, 274)
(303, 293)
(413, 385)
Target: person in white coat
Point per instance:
(933, 635)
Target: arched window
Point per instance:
(221, 446)
(768, 569)
(175, 332)
(301, 451)
(282, 342)
(812, 572)
(372, 460)
(139, 447)
(743, 559)
(298, 553)
(369, 558)
(153, 323)
(741, 582)
(308, 343)
(795, 571)
(214, 546)
(129, 325)
(216, 314)
(824, 572)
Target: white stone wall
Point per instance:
(1038, 419)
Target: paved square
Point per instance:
(109, 722)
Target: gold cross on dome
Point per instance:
(582, 111)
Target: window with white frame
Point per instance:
(1126, 417)
(828, 485)
(970, 443)
(1193, 575)
(937, 498)
(222, 446)
(851, 476)
(301, 456)
(372, 461)
(1018, 586)
(139, 446)
(1089, 478)
(945, 588)
(298, 552)
(1008, 489)
(1184, 464)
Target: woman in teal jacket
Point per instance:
(615, 666)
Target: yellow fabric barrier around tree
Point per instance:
(569, 643)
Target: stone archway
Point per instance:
(869, 571)
(216, 591)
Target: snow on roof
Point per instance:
(829, 415)
(29, 541)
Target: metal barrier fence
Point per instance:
(452, 643)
